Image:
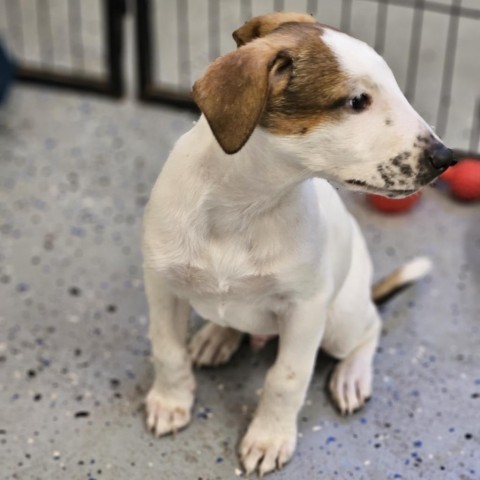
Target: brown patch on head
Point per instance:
(264, 24)
(288, 82)
(316, 87)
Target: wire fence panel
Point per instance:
(431, 46)
(70, 43)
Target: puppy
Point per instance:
(244, 226)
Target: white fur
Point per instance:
(254, 243)
(417, 268)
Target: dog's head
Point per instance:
(330, 102)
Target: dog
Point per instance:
(244, 226)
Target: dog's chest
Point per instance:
(227, 297)
(222, 274)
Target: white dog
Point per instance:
(243, 226)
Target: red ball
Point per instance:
(465, 183)
(393, 205)
(448, 174)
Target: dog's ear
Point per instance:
(233, 91)
(264, 24)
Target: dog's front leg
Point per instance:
(271, 437)
(170, 399)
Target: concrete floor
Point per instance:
(75, 173)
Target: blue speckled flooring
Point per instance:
(75, 173)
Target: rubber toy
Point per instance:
(393, 205)
(464, 180)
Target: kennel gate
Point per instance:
(430, 44)
(68, 43)
(176, 39)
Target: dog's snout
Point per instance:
(440, 156)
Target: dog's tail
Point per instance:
(400, 279)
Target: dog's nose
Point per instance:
(441, 157)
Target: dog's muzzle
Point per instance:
(440, 157)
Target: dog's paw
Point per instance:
(168, 412)
(268, 445)
(214, 345)
(351, 385)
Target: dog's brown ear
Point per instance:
(264, 24)
(234, 89)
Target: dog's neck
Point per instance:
(256, 181)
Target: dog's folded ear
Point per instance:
(262, 25)
(233, 91)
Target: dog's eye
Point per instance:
(360, 102)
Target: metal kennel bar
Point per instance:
(147, 89)
(151, 87)
(109, 83)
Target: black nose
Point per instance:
(441, 157)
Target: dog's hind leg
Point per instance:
(214, 345)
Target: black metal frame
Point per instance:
(112, 83)
(147, 90)
(150, 92)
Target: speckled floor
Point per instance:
(75, 173)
